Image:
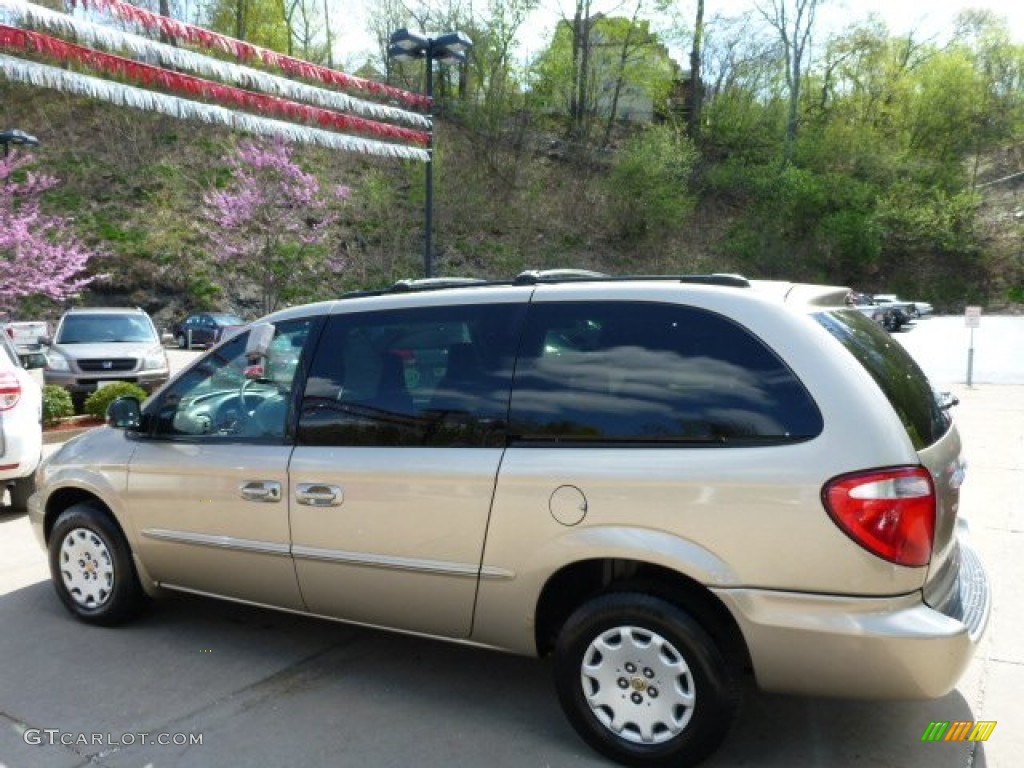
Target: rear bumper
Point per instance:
(861, 647)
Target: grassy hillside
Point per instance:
(134, 181)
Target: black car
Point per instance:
(205, 329)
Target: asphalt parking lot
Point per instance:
(259, 688)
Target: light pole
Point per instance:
(448, 49)
(18, 139)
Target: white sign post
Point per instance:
(972, 319)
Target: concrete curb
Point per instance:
(63, 435)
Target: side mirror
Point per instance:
(46, 341)
(124, 413)
(261, 335)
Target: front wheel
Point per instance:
(91, 567)
(642, 682)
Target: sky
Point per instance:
(927, 18)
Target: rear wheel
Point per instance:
(91, 567)
(642, 682)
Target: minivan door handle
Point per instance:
(260, 490)
(319, 495)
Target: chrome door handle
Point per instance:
(319, 495)
(260, 490)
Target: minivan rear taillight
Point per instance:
(10, 390)
(889, 512)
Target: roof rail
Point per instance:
(429, 283)
(531, 276)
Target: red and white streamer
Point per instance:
(24, 14)
(44, 76)
(249, 52)
(149, 75)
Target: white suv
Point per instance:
(669, 485)
(21, 430)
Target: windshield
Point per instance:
(104, 329)
(894, 370)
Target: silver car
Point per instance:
(96, 346)
(669, 485)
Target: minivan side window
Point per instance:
(427, 376)
(229, 396)
(648, 372)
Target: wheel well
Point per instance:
(577, 583)
(67, 497)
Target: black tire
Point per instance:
(91, 567)
(658, 675)
(23, 488)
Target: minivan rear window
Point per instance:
(894, 370)
(613, 371)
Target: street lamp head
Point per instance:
(448, 49)
(398, 53)
(18, 138)
(407, 45)
(452, 44)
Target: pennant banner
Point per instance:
(28, 15)
(43, 76)
(148, 75)
(248, 52)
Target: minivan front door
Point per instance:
(208, 482)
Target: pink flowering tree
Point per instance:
(269, 225)
(39, 253)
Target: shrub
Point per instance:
(96, 404)
(57, 404)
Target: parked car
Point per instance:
(25, 334)
(21, 425)
(668, 485)
(94, 347)
(890, 316)
(915, 309)
(205, 329)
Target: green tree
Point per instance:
(648, 183)
(260, 22)
(621, 55)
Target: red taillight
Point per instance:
(889, 512)
(10, 390)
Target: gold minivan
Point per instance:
(670, 485)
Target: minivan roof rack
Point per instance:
(534, 276)
(429, 283)
(531, 276)
(539, 276)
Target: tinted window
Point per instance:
(437, 376)
(895, 372)
(228, 395)
(652, 372)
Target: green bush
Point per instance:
(96, 404)
(57, 404)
